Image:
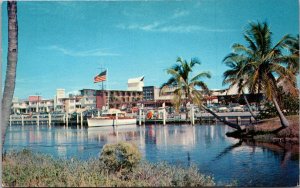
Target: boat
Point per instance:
(112, 117)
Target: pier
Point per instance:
(47, 119)
(241, 118)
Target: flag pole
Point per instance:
(107, 88)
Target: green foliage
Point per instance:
(27, 169)
(288, 103)
(120, 157)
(186, 85)
(269, 111)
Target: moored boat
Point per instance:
(113, 117)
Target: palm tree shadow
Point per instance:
(227, 150)
(277, 130)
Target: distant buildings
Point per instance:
(136, 95)
(88, 98)
(58, 100)
(135, 84)
(33, 104)
(121, 99)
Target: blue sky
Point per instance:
(64, 44)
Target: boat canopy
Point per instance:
(113, 111)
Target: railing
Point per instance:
(46, 119)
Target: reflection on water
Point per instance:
(227, 159)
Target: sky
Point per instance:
(64, 44)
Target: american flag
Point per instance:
(100, 77)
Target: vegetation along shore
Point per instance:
(28, 169)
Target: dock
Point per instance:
(241, 118)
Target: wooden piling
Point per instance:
(140, 116)
(49, 119)
(77, 119)
(81, 119)
(192, 116)
(164, 114)
(38, 119)
(67, 119)
(10, 120)
(64, 118)
(239, 120)
(22, 117)
(116, 121)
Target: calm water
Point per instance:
(225, 158)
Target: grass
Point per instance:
(27, 169)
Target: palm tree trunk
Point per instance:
(9, 86)
(283, 120)
(233, 125)
(248, 105)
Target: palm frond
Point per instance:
(201, 75)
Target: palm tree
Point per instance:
(9, 86)
(236, 75)
(185, 85)
(263, 62)
(293, 65)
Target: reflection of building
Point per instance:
(136, 84)
(114, 135)
(180, 136)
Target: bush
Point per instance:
(120, 157)
(27, 169)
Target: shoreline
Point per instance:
(270, 131)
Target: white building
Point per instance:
(136, 84)
(58, 100)
(29, 106)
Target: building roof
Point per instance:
(232, 91)
(134, 80)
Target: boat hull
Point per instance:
(95, 122)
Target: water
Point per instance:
(226, 159)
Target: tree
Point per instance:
(236, 75)
(12, 56)
(185, 86)
(263, 63)
(292, 65)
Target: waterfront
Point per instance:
(225, 158)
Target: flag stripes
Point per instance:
(100, 77)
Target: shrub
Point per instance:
(27, 169)
(120, 157)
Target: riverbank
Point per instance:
(27, 169)
(270, 130)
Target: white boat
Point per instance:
(113, 117)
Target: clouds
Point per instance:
(82, 53)
(180, 13)
(171, 24)
(169, 28)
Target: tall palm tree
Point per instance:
(292, 60)
(12, 57)
(263, 62)
(185, 85)
(236, 75)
